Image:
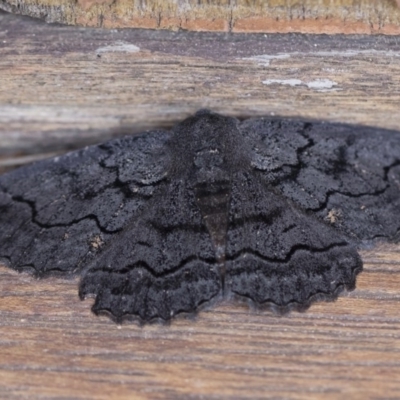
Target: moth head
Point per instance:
(208, 132)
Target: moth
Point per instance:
(272, 210)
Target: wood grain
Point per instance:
(62, 87)
(306, 16)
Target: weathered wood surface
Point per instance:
(61, 87)
(306, 16)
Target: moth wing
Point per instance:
(349, 176)
(163, 263)
(57, 214)
(280, 255)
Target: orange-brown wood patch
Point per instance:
(306, 16)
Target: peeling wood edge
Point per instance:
(364, 17)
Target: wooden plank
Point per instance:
(52, 346)
(62, 87)
(306, 16)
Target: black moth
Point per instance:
(268, 209)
